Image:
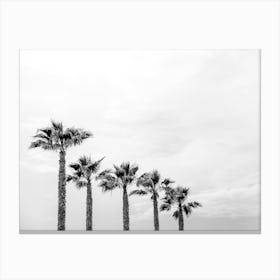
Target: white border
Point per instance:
(139, 25)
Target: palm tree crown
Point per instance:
(119, 177)
(57, 138)
(83, 170)
(149, 183)
(177, 197)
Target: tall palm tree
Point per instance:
(82, 175)
(149, 183)
(59, 139)
(120, 177)
(177, 197)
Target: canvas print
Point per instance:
(148, 141)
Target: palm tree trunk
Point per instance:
(61, 192)
(156, 221)
(125, 210)
(181, 218)
(89, 206)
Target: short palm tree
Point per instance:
(59, 139)
(149, 183)
(82, 174)
(177, 197)
(120, 177)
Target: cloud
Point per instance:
(41, 168)
(37, 160)
(230, 202)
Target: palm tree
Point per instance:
(177, 196)
(59, 139)
(120, 177)
(82, 175)
(150, 184)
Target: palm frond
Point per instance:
(42, 144)
(94, 166)
(81, 183)
(185, 191)
(189, 206)
(66, 137)
(181, 193)
(46, 139)
(75, 166)
(155, 177)
(43, 137)
(119, 171)
(70, 178)
(108, 185)
(79, 173)
(144, 180)
(84, 160)
(75, 136)
(138, 192)
(170, 194)
(133, 169)
(176, 214)
(187, 209)
(194, 204)
(104, 174)
(167, 182)
(57, 126)
(45, 131)
(125, 166)
(168, 200)
(165, 207)
(131, 176)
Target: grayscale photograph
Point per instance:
(139, 141)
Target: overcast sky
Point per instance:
(192, 115)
